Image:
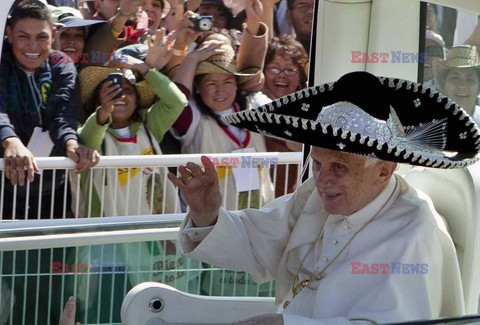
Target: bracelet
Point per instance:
(180, 52)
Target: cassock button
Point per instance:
(325, 259)
(334, 242)
(345, 226)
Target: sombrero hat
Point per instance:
(90, 77)
(462, 56)
(387, 118)
(225, 63)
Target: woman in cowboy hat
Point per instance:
(458, 77)
(133, 124)
(212, 77)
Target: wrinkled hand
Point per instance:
(185, 35)
(201, 191)
(129, 7)
(269, 319)
(254, 11)
(159, 49)
(68, 315)
(84, 157)
(17, 158)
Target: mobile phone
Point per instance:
(117, 79)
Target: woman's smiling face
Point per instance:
(281, 76)
(218, 91)
(462, 85)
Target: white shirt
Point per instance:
(270, 243)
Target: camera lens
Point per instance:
(205, 24)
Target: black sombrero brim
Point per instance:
(427, 128)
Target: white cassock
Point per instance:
(399, 228)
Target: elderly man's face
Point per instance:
(343, 182)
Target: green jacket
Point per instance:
(156, 120)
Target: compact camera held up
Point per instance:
(201, 23)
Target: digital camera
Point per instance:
(201, 23)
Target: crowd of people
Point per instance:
(180, 75)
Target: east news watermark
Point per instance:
(244, 162)
(94, 268)
(392, 268)
(389, 57)
(94, 57)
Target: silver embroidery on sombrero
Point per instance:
(428, 138)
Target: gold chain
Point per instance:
(297, 287)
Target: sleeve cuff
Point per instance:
(196, 234)
(70, 136)
(7, 132)
(262, 30)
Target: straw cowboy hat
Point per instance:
(90, 77)
(225, 63)
(386, 118)
(462, 56)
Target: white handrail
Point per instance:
(87, 238)
(162, 160)
(81, 232)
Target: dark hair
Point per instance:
(227, 12)
(29, 9)
(290, 4)
(285, 45)
(240, 99)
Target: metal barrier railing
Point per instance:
(138, 185)
(43, 262)
(98, 260)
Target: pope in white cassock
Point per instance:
(355, 243)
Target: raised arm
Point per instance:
(267, 16)
(184, 37)
(186, 72)
(253, 46)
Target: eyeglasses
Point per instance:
(288, 72)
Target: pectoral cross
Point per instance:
(302, 284)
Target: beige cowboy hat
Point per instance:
(225, 63)
(91, 77)
(462, 56)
